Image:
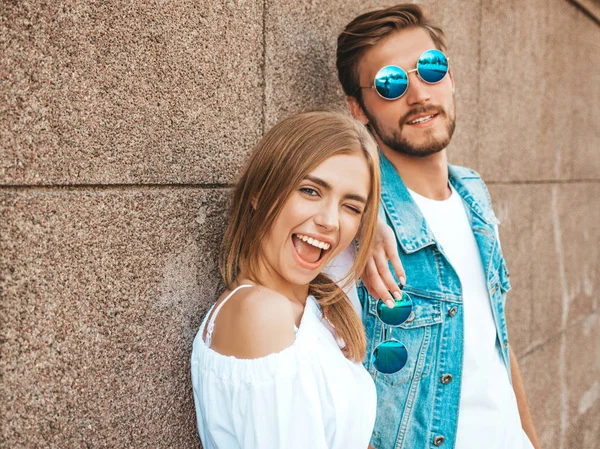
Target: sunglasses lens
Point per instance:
(432, 66)
(396, 315)
(391, 82)
(389, 357)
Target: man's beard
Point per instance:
(395, 141)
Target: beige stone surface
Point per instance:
(548, 275)
(300, 45)
(300, 68)
(539, 119)
(548, 237)
(576, 215)
(164, 91)
(581, 383)
(541, 371)
(586, 110)
(513, 206)
(103, 286)
(102, 293)
(561, 380)
(461, 23)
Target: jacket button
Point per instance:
(446, 379)
(452, 311)
(439, 440)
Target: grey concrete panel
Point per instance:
(548, 235)
(460, 21)
(300, 60)
(548, 274)
(577, 216)
(582, 350)
(513, 91)
(534, 101)
(541, 375)
(129, 92)
(585, 430)
(561, 381)
(102, 293)
(513, 205)
(103, 289)
(584, 55)
(300, 45)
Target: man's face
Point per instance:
(419, 123)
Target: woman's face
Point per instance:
(319, 219)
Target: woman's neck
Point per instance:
(295, 293)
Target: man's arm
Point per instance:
(519, 388)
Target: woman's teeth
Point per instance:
(314, 242)
(421, 120)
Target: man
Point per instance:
(446, 375)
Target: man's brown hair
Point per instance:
(368, 30)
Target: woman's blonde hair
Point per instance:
(278, 164)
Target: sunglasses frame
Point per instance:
(408, 72)
(385, 325)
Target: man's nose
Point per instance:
(418, 90)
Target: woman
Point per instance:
(276, 362)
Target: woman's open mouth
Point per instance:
(309, 252)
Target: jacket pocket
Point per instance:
(416, 334)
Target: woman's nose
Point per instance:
(328, 218)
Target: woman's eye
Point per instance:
(309, 191)
(354, 209)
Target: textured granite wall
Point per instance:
(122, 127)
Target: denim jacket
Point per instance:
(416, 409)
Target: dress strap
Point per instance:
(211, 322)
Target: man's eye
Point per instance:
(309, 191)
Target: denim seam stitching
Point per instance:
(413, 389)
(438, 391)
(440, 269)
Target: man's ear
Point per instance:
(356, 110)
(452, 80)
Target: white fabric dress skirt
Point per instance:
(306, 396)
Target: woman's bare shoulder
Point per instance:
(255, 322)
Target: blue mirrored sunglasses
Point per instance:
(390, 355)
(391, 82)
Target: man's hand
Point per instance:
(377, 276)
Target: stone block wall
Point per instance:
(123, 126)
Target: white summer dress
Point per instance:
(306, 396)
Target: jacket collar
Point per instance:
(406, 218)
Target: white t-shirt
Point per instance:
(488, 414)
(307, 396)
